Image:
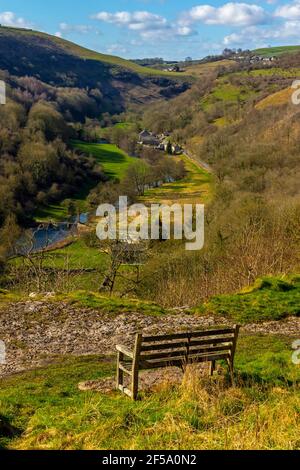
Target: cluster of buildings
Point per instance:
(174, 68)
(257, 59)
(159, 142)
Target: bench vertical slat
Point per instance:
(212, 368)
(120, 373)
(233, 350)
(236, 335)
(135, 365)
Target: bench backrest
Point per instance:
(182, 348)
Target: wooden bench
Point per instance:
(153, 352)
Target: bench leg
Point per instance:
(120, 373)
(231, 370)
(212, 368)
(135, 384)
(135, 367)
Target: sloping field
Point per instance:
(203, 69)
(196, 187)
(276, 99)
(276, 51)
(113, 160)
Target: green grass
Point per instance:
(52, 212)
(128, 126)
(112, 305)
(113, 160)
(269, 299)
(226, 93)
(267, 359)
(44, 409)
(76, 256)
(291, 72)
(276, 51)
(74, 267)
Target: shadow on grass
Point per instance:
(7, 432)
(245, 379)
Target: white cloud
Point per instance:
(148, 25)
(116, 49)
(9, 18)
(137, 20)
(230, 14)
(77, 28)
(286, 32)
(291, 11)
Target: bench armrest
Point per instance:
(124, 350)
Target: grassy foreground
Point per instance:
(44, 409)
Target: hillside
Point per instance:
(53, 42)
(58, 62)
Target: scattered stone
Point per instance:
(36, 332)
(33, 295)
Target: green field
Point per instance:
(197, 186)
(112, 159)
(269, 72)
(225, 93)
(128, 126)
(77, 256)
(44, 409)
(276, 51)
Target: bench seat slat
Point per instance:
(194, 334)
(178, 362)
(183, 344)
(182, 352)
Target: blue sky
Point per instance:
(172, 29)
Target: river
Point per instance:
(46, 236)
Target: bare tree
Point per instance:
(123, 253)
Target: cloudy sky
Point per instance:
(173, 29)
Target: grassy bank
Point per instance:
(268, 299)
